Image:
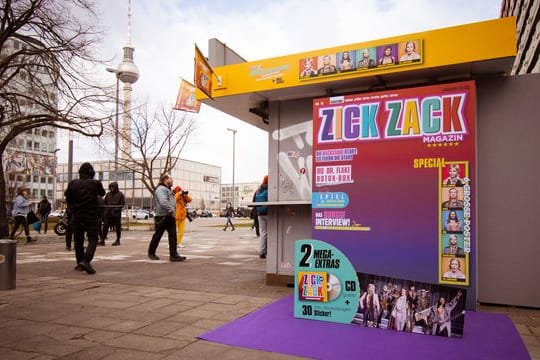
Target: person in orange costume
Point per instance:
(182, 199)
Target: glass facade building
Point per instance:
(200, 179)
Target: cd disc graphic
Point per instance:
(334, 287)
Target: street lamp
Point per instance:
(115, 71)
(233, 151)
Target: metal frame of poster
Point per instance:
(381, 162)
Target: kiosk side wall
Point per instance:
(508, 190)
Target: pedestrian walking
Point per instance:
(261, 195)
(112, 213)
(82, 200)
(21, 208)
(164, 219)
(230, 214)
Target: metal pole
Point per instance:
(116, 142)
(233, 163)
(70, 159)
(133, 190)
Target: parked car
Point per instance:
(57, 214)
(151, 213)
(140, 214)
(137, 214)
(206, 213)
(243, 211)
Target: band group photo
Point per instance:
(417, 307)
(453, 256)
(403, 53)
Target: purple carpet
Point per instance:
(273, 328)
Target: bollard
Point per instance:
(8, 265)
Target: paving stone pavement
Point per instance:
(135, 308)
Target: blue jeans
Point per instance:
(229, 221)
(263, 225)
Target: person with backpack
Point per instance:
(261, 195)
(44, 209)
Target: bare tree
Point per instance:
(46, 67)
(157, 139)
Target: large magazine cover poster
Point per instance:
(394, 181)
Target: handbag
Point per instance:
(31, 217)
(37, 225)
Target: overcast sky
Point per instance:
(164, 31)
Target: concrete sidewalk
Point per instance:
(135, 308)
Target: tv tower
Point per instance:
(128, 73)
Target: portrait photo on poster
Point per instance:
(453, 244)
(409, 51)
(452, 221)
(452, 197)
(346, 60)
(454, 269)
(453, 174)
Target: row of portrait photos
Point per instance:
(403, 53)
(453, 256)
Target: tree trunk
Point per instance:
(4, 231)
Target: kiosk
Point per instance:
(284, 96)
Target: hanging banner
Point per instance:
(394, 181)
(186, 99)
(203, 73)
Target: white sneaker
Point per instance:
(180, 246)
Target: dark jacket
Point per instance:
(114, 201)
(229, 211)
(82, 194)
(44, 207)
